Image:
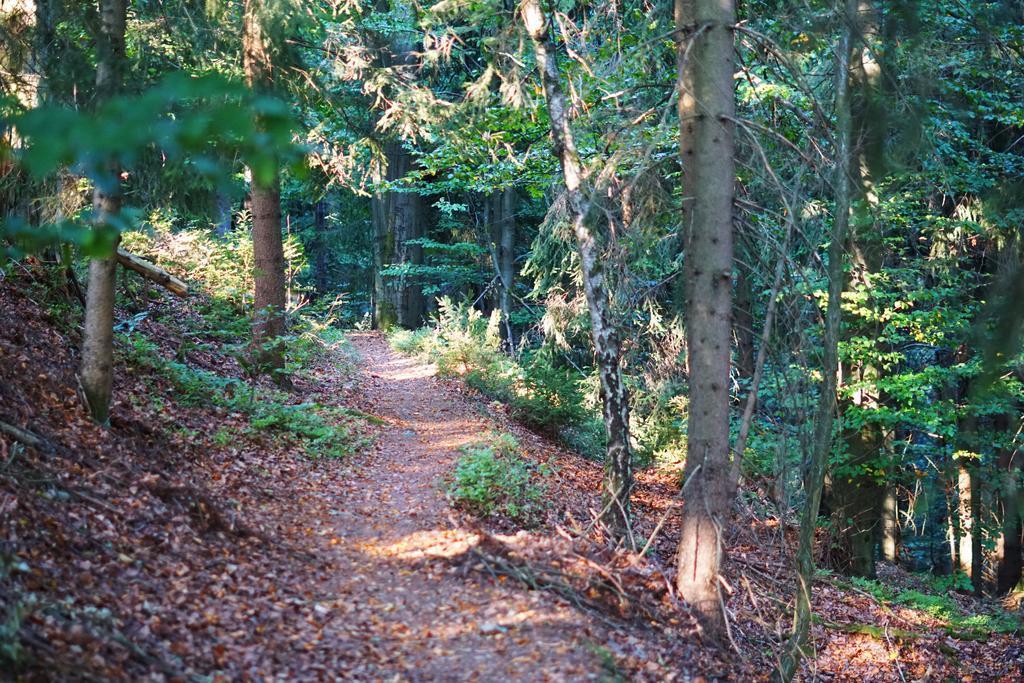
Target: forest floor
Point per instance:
(191, 541)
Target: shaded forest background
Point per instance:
(410, 169)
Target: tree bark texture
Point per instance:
(708, 273)
(270, 297)
(151, 271)
(397, 218)
(499, 215)
(96, 371)
(686, 29)
(506, 259)
(618, 479)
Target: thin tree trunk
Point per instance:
(890, 524)
(686, 27)
(506, 260)
(618, 479)
(96, 372)
(322, 251)
(708, 273)
(498, 210)
(825, 413)
(743, 324)
(222, 214)
(267, 245)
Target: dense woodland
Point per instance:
(736, 285)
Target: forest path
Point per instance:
(429, 618)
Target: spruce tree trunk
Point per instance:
(321, 262)
(397, 218)
(96, 371)
(500, 213)
(268, 257)
(814, 480)
(265, 199)
(708, 274)
(618, 479)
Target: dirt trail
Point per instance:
(427, 617)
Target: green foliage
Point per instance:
(322, 431)
(205, 118)
(971, 626)
(539, 392)
(491, 477)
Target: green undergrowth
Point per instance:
(220, 272)
(939, 605)
(492, 477)
(544, 389)
(541, 391)
(323, 431)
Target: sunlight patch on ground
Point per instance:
(430, 543)
(404, 369)
(862, 652)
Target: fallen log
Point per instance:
(151, 271)
(22, 435)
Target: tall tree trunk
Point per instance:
(267, 245)
(96, 372)
(825, 414)
(857, 495)
(46, 16)
(708, 273)
(890, 524)
(618, 479)
(1008, 573)
(501, 216)
(397, 218)
(969, 557)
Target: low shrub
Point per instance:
(491, 477)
